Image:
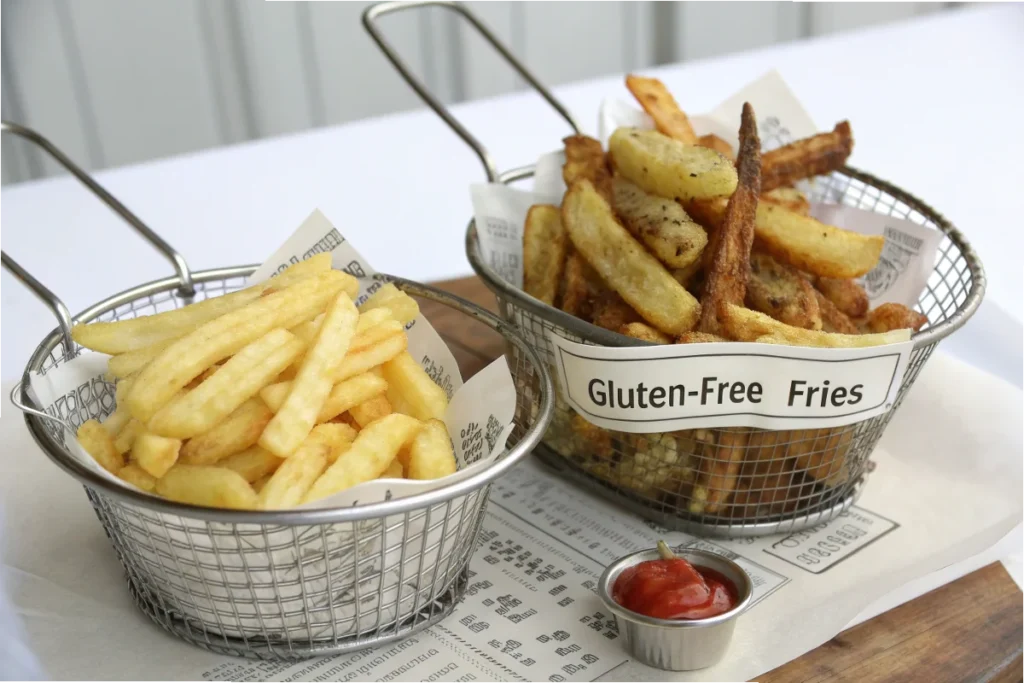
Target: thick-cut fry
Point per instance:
(727, 259)
(394, 471)
(97, 442)
(216, 487)
(410, 382)
(781, 292)
(689, 276)
(403, 307)
(258, 485)
(668, 168)
(137, 333)
(816, 155)
(238, 380)
(369, 336)
(372, 410)
(699, 338)
(821, 453)
(611, 312)
(217, 339)
(832, 319)
(339, 435)
(292, 479)
(135, 475)
(544, 248)
(661, 224)
(742, 324)
(155, 454)
(364, 360)
(890, 316)
(295, 419)
(368, 456)
(128, 363)
(584, 160)
(430, 453)
(116, 421)
(581, 287)
(237, 432)
(712, 141)
(344, 395)
(645, 333)
(126, 437)
(720, 472)
(623, 263)
(658, 102)
(802, 241)
(788, 197)
(253, 463)
(848, 296)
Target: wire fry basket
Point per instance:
(282, 584)
(729, 482)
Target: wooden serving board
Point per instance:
(968, 630)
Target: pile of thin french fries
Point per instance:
(273, 396)
(668, 238)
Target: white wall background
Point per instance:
(115, 82)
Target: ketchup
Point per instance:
(672, 588)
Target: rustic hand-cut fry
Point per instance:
(611, 312)
(581, 287)
(718, 474)
(135, 475)
(645, 333)
(216, 487)
(742, 324)
(295, 419)
(370, 454)
(699, 338)
(344, 395)
(890, 316)
(97, 442)
(781, 292)
(584, 160)
(832, 319)
(291, 481)
(544, 249)
(727, 259)
(240, 430)
(403, 307)
(658, 102)
(821, 453)
(253, 463)
(238, 380)
(137, 333)
(408, 380)
(816, 155)
(371, 410)
(155, 454)
(365, 359)
(219, 338)
(712, 141)
(430, 453)
(668, 168)
(848, 296)
(788, 197)
(623, 263)
(661, 224)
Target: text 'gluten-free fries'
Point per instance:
(270, 397)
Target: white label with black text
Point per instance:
(681, 386)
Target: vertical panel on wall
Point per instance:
(441, 53)
(831, 17)
(708, 29)
(220, 30)
(639, 44)
(569, 41)
(485, 73)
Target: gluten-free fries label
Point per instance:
(680, 386)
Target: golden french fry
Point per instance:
(658, 102)
(611, 312)
(253, 463)
(430, 453)
(544, 249)
(712, 141)
(216, 487)
(821, 453)
(645, 333)
(892, 316)
(410, 382)
(372, 318)
(97, 442)
(369, 455)
(779, 291)
(339, 435)
(133, 474)
(128, 363)
(661, 224)
(580, 287)
(371, 410)
(718, 474)
(125, 438)
(295, 419)
(816, 155)
(848, 296)
(699, 338)
(344, 395)
(155, 454)
(238, 380)
(788, 197)
(297, 473)
(237, 432)
(585, 160)
(403, 307)
(394, 470)
(258, 485)
(623, 263)
(832, 319)
(364, 360)
(221, 337)
(742, 324)
(116, 421)
(669, 168)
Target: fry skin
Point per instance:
(848, 296)
(645, 333)
(816, 155)
(719, 474)
(789, 198)
(668, 168)
(661, 224)
(890, 316)
(712, 141)
(658, 102)
(584, 160)
(611, 312)
(781, 292)
(544, 251)
(699, 338)
(742, 324)
(581, 287)
(832, 319)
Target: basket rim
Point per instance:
(63, 459)
(598, 335)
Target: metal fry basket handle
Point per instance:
(370, 23)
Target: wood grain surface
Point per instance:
(968, 630)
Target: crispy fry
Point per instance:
(253, 463)
(216, 487)
(403, 307)
(624, 264)
(237, 432)
(364, 360)
(97, 442)
(699, 338)
(781, 292)
(848, 296)
(370, 454)
(611, 312)
(712, 141)
(344, 395)
(718, 474)
(292, 480)
(661, 224)
(816, 155)
(371, 410)
(689, 275)
(742, 324)
(727, 259)
(155, 454)
(788, 197)
(581, 287)
(413, 388)
(589, 439)
(128, 363)
(892, 316)
(658, 102)
(668, 168)
(644, 332)
(584, 160)
(832, 319)
(430, 453)
(544, 247)
(821, 453)
(135, 475)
